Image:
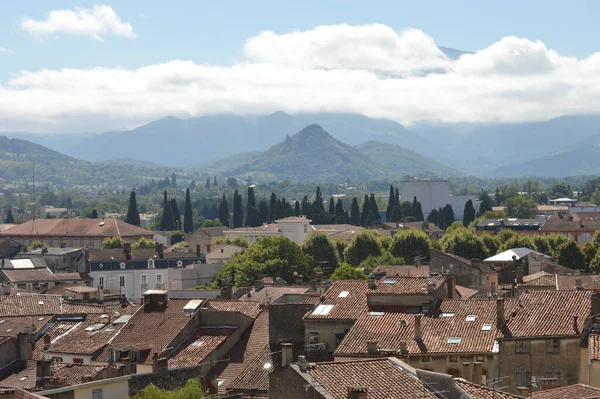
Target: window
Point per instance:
(553, 345)
(453, 359)
(471, 318)
(521, 346)
(322, 310)
(343, 294)
(552, 375)
(313, 337)
(479, 358)
(159, 279)
(144, 279)
(77, 360)
(121, 281)
(97, 393)
(57, 359)
(523, 376)
(101, 282)
(454, 340)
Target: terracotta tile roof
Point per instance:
(535, 276)
(67, 373)
(248, 308)
(406, 285)
(437, 327)
(576, 391)
(403, 271)
(547, 313)
(76, 227)
(243, 352)
(199, 346)
(482, 392)
(26, 304)
(265, 227)
(349, 307)
(11, 326)
(382, 378)
(152, 328)
(270, 293)
(581, 221)
(565, 282)
(465, 292)
(255, 376)
(453, 256)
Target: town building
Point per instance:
(520, 226)
(472, 274)
(579, 226)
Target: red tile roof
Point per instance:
(98, 255)
(268, 294)
(382, 378)
(255, 376)
(482, 392)
(248, 308)
(581, 221)
(403, 271)
(449, 321)
(349, 307)
(67, 373)
(576, 391)
(465, 292)
(547, 313)
(41, 274)
(26, 304)
(199, 346)
(11, 326)
(76, 228)
(406, 285)
(565, 282)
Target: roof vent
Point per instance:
(102, 223)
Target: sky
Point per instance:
(81, 66)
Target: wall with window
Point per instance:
(130, 282)
(326, 332)
(68, 358)
(552, 361)
(107, 390)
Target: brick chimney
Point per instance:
(418, 336)
(500, 320)
(198, 250)
(519, 274)
(467, 371)
(477, 372)
(286, 354)
(161, 251)
(403, 347)
(372, 348)
(575, 325)
(43, 368)
(595, 304)
(127, 250)
(450, 286)
(47, 342)
(357, 392)
(159, 364)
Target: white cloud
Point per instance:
(366, 69)
(5, 50)
(97, 22)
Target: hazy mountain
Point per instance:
(400, 161)
(311, 155)
(228, 163)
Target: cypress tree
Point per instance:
(306, 207)
(207, 185)
(397, 197)
(11, 219)
(414, 206)
(215, 183)
(448, 215)
(440, 222)
(419, 212)
(396, 214)
(297, 209)
(374, 207)
(354, 212)
(279, 211)
(176, 214)
(391, 203)
(369, 220)
(251, 199)
(167, 220)
(263, 211)
(339, 208)
(272, 207)
(93, 216)
(224, 212)
(366, 207)
(318, 204)
(165, 199)
(433, 217)
(469, 213)
(331, 206)
(188, 216)
(252, 217)
(238, 212)
(133, 215)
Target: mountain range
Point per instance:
(222, 143)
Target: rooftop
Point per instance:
(40, 304)
(250, 309)
(268, 294)
(518, 253)
(75, 227)
(403, 270)
(199, 346)
(102, 255)
(482, 392)
(576, 391)
(67, 373)
(41, 274)
(407, 285)
(579, 221)
(347, 300)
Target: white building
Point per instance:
(434, 195)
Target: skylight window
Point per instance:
(343, 294)
(322, 310)
(40, 302)
(454, 340)
(376, 313)
(40, 319)
(402, 323)
(486, 327)
(471, 317)
(447, 315)
(389, 281)
(9, 330)
(2, 321)
(110, 329)
(198, 342)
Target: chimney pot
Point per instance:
(286, 353)
(451, 286)
(198, 250)
(403, 347)
(500, 313)
(575, 325)
(418, 336)
(372, 348)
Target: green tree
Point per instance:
(447, 216)
(253, 217)
(386, 259)
(434, 217)
(570, 255)
(559, 190)
(251, 198)
(36, 244)
(317, 205)
(469, 213)
(596, 239)
(595, 264)
(297, 209)
(410, 243)
(133, 215)
(347, 272)
(339, 208)
(113, 243)
(306, 207)
(520, 207)
(373, 206)
(366, 207)
(224, 212)
(238, 211)
(396, 214)
(94, 214)
(517, 241)
(541, 244)
(177, 237)
(486, 202)
(391, 204)
(354, 212)
(191, 390)
(321, 248)
(215, 182)
(143, 243)
(263, 211)
(555, 241)
(504, 235)
(419, 212)
(491, 244)
(464, 243)
(272, 207)
(165, 200)
(207, 185)
(363, 245)
(188, 218)
(589, 252)
(331, 206)
(168, 222)
(9, 217)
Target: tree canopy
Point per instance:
(133, 215)
(347, 272)
(363, 245)
(321, 248)
(409, 244)
(520, 207)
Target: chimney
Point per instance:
(372, 348)
(477, 374)
(226, 292)
(451, 286)
(519, 275)
(578, 285)
(47, 342)
(418, 318)
(357, 392)
(595, 304)
(476, 263)
(500, 313)
(198, 250)
(161, 251)
(127, 250)
(159, 364)
(43, 368)
(286, 353)
(403, 348)
(467, 371)
(575, 325)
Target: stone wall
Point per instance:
(286, 323)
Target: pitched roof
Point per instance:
(382, 378)
(67, 373)
(250, 309)
(547, 313)
(465, 292)
(98, 255)
(348, 306)
(152, 328)
(576, 391)
(255, 376)
(565, 281)
(199, 346)
(453, 256)
(272, 292)
(407, 285)
(507, 256)
(11, 326)
(482, 392)
(40, 274)
(437, 327)
(25, 304)
(75, 227)
(403, 270)
(579, 221)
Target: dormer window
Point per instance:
(150, 263)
